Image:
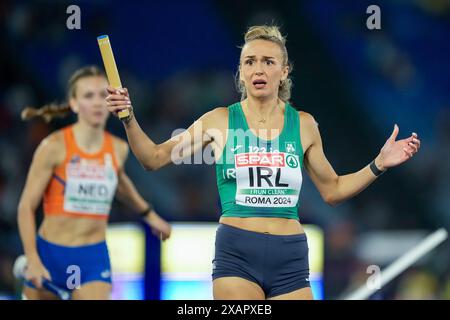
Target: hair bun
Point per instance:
(264, 31)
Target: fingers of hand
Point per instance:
(117, 97)
(416, 142)
(110, 90)
(413, 146)
(47, 275)
(414, 138)
(117, 102)
(116, 109)
(37, 281)
(408, 152)
(120, 94)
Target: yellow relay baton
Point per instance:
(111, 68)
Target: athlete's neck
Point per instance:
(262, 107)
(87, 137)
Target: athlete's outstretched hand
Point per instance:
(395, 152)
(117, 100)
(160, 227)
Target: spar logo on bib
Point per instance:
(260, 159)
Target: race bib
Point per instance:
(267, 179)
(90, 187)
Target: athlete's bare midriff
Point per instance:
(277, 226)
(76, 231)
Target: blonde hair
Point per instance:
(54, 110)
(270, 33)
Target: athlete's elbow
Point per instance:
(21, 207)
(333, 203)
(149, 161)
(331, 194)
(151, 165)
(148, 166)
(24, 210)
(332, 200)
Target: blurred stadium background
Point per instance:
(178, 59)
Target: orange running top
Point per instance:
(85, 183)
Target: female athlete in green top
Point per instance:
(260, 145)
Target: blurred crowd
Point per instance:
(370, 81)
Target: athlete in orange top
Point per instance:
(83, 176)
(77, 171)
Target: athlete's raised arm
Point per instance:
(153, 156)
(335, 189)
